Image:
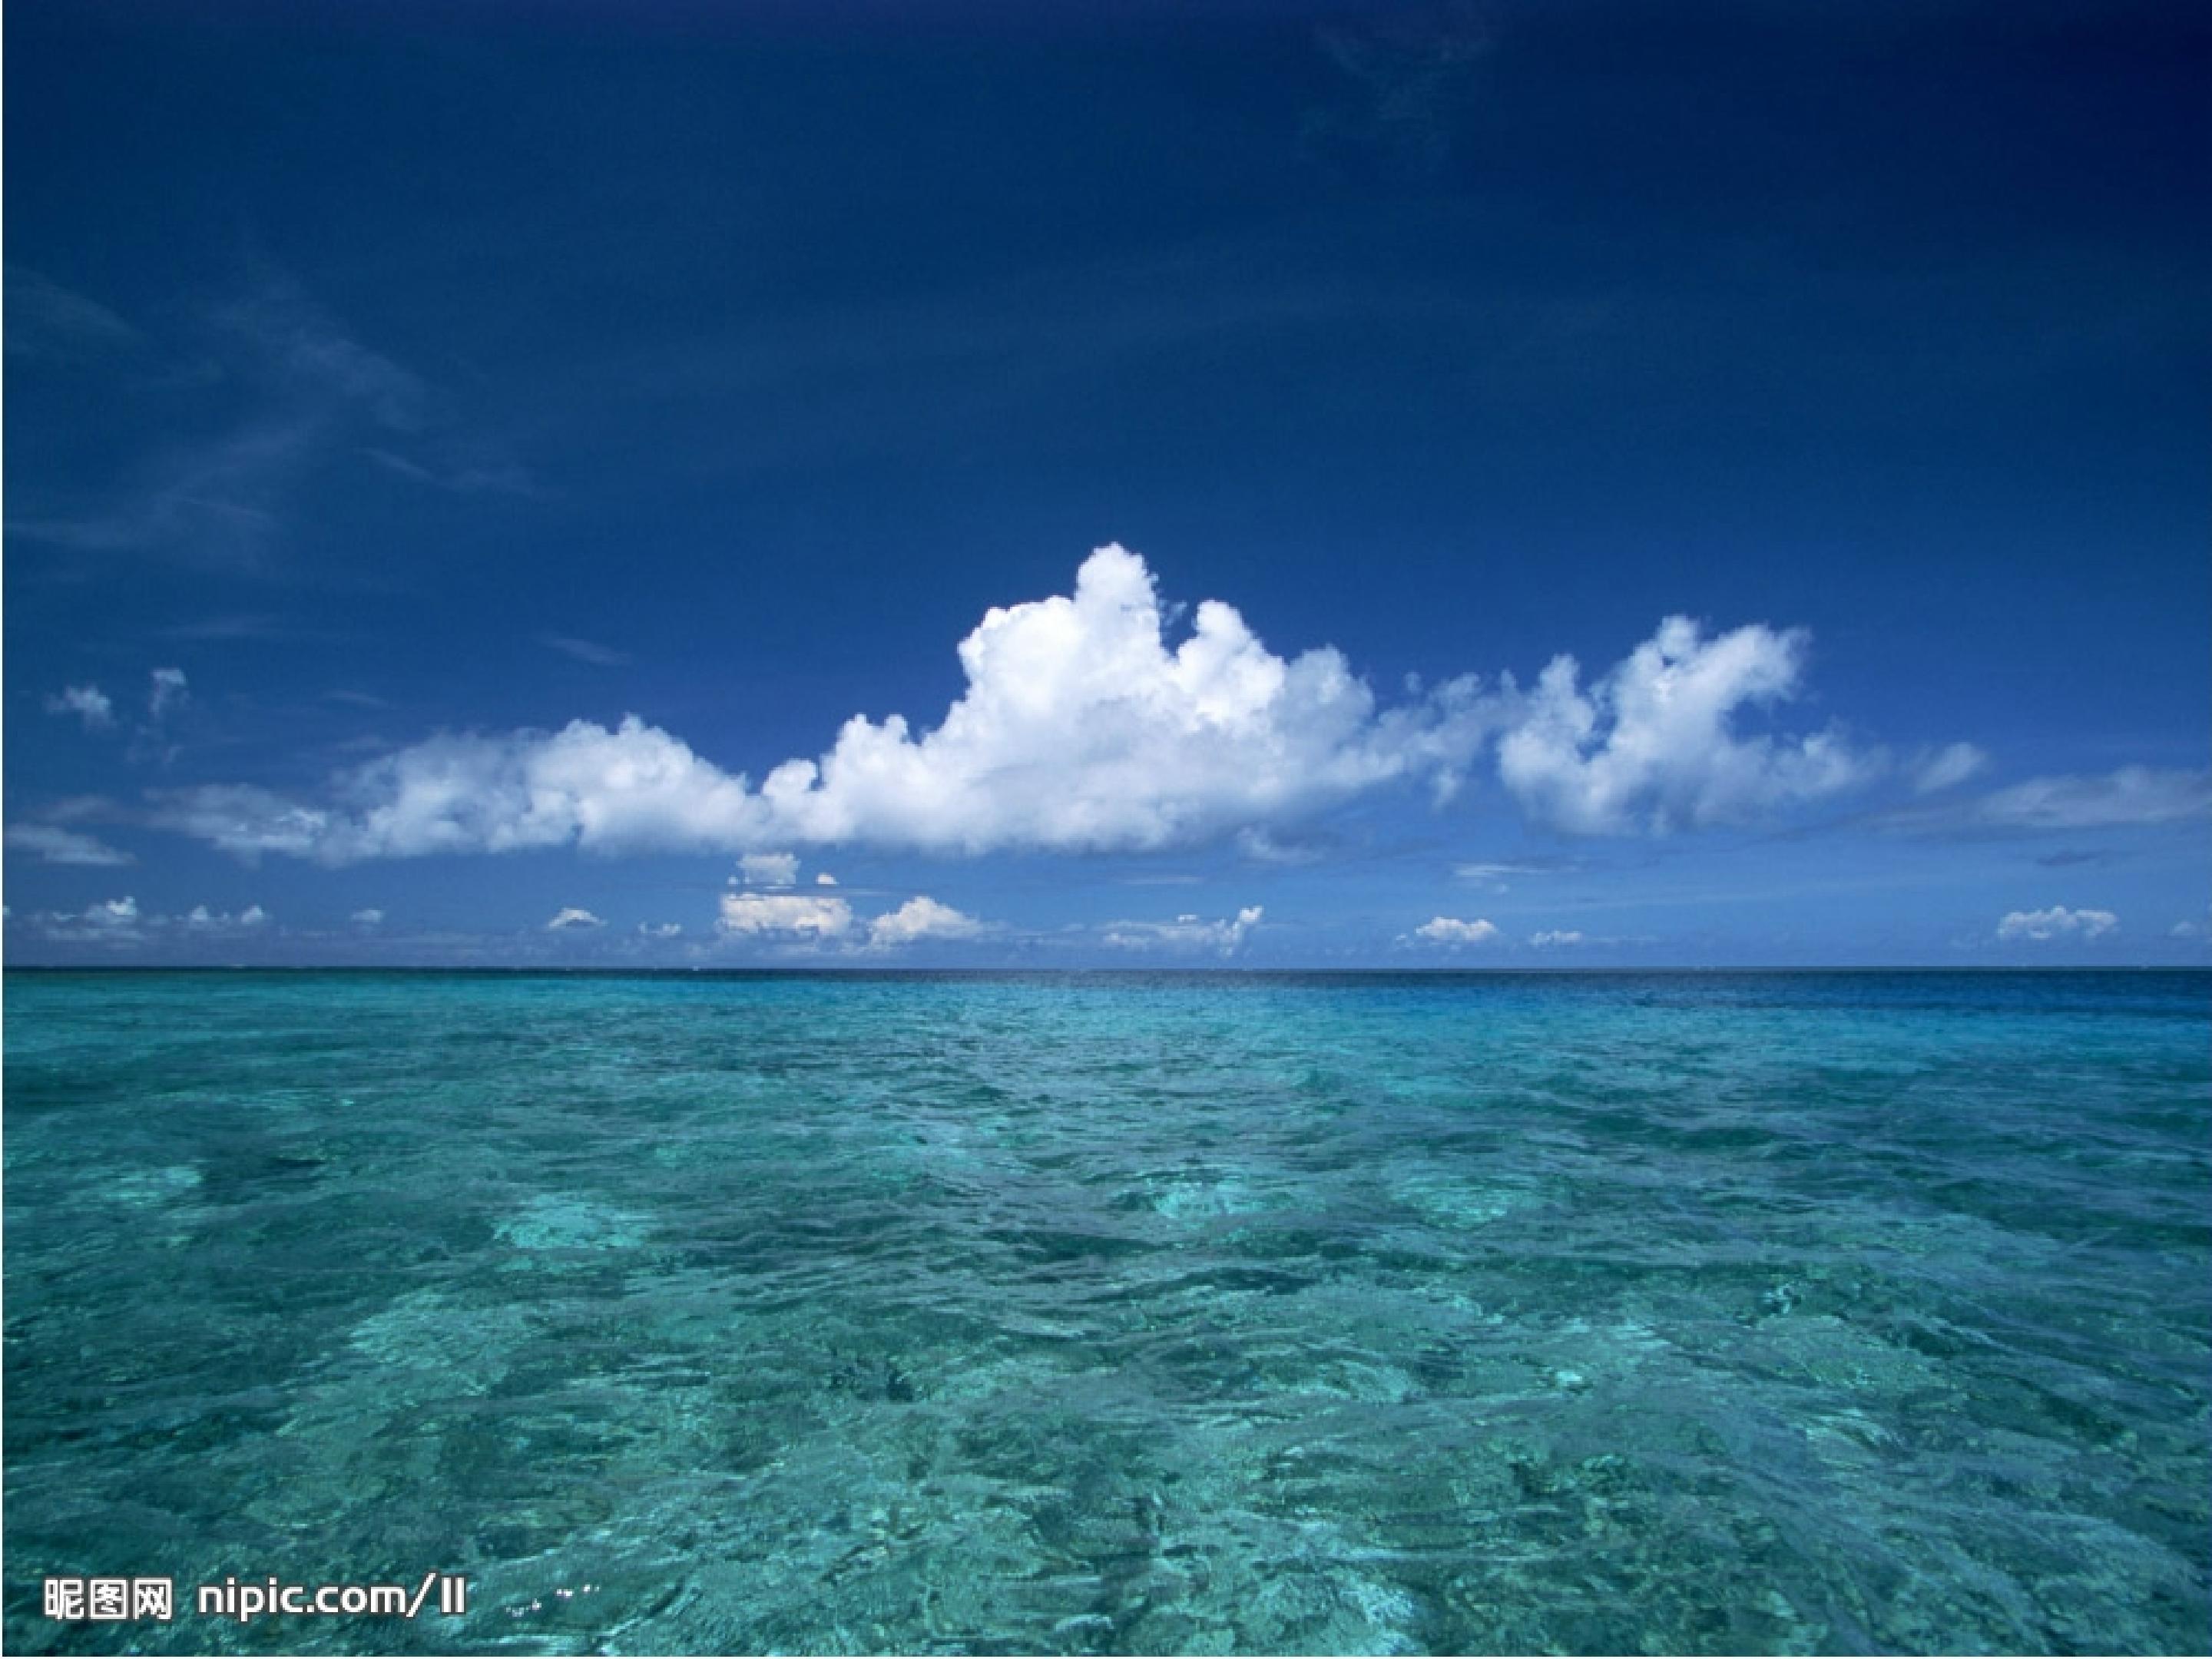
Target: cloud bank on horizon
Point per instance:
(1083, 729)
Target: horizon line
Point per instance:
(1117, 971)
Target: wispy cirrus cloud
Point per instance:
(590, 651)
(46, 320)
(1948, 767)
(55, 845)
(239, 626)
(459, 478)
(2132, 794)
(2128, 797)
(287, 390)
(1498, 875)
(1411, 73)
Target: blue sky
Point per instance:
(1581, 484)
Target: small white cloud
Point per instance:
(2057, 922)
(1949, 768)
(1450, 930)
(88, 703)
(111, 922)
(167, 691)
(57, 846)
(1555, 937)
(1652, 744)
(921, 918)
(661, 930)
(751, 916)
(201, 920)
(1186, 933)
(371, 917)
(2199, 929)
(823, 878)
(770, 869)
(572, 917)
(120, 921)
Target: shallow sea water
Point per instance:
(1378, 1313)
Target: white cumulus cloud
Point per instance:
(1081, 728)
(792, 915)
(569, 916)
(823, 878)
(371, 917)
(2057, 922)
(1086, 725)
(1557, 936)
(921, 918)
(661, 930)
(1452, 930)
(1186, 933)
(88, 703)
(1653, 744)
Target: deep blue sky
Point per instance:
(389, 374)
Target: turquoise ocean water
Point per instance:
(1356, 1314)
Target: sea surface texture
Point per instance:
(1198, 1314)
